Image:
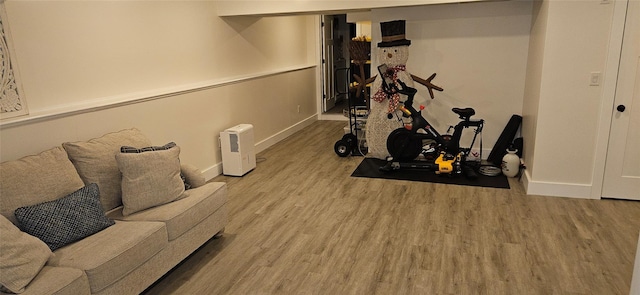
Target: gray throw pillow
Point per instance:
(150, 178)
(65, 220)
(133, 150)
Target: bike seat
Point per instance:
(465, 113)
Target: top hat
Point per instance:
(393, 34)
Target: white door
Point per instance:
(328, 95)
(622, 169)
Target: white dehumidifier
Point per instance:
(238, 151)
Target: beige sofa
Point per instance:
(147, 219)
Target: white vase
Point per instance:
(511, 163)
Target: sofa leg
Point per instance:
(219, 234)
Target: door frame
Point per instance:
(608, 96)
(323, 65)
(320, 73)
(328, 78)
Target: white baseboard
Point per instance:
(215, 170)
(556, 189)
(269, 141)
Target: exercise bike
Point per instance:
(442, 153)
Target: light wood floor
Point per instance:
(299, 224)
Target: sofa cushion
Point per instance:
(109, 255)
(150, 178)
(59, 281)
(65, 220)
(35, 179)
(181, 215)
(96, 163)
(21, 257)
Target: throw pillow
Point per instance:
(150, 178)
(133, 150)
(130, 149)
(66, 220)
(21, 257)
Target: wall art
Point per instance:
(12, 101)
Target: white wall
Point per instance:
(521, 57)
(533, 80)
(570, 40)
(172, 68)
(479, 52)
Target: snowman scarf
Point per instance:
(394, 97)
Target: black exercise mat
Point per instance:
(369, 167)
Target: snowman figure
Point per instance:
(394, 52)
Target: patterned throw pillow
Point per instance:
(65, 220)
(130, 149)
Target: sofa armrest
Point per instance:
(193, 175)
